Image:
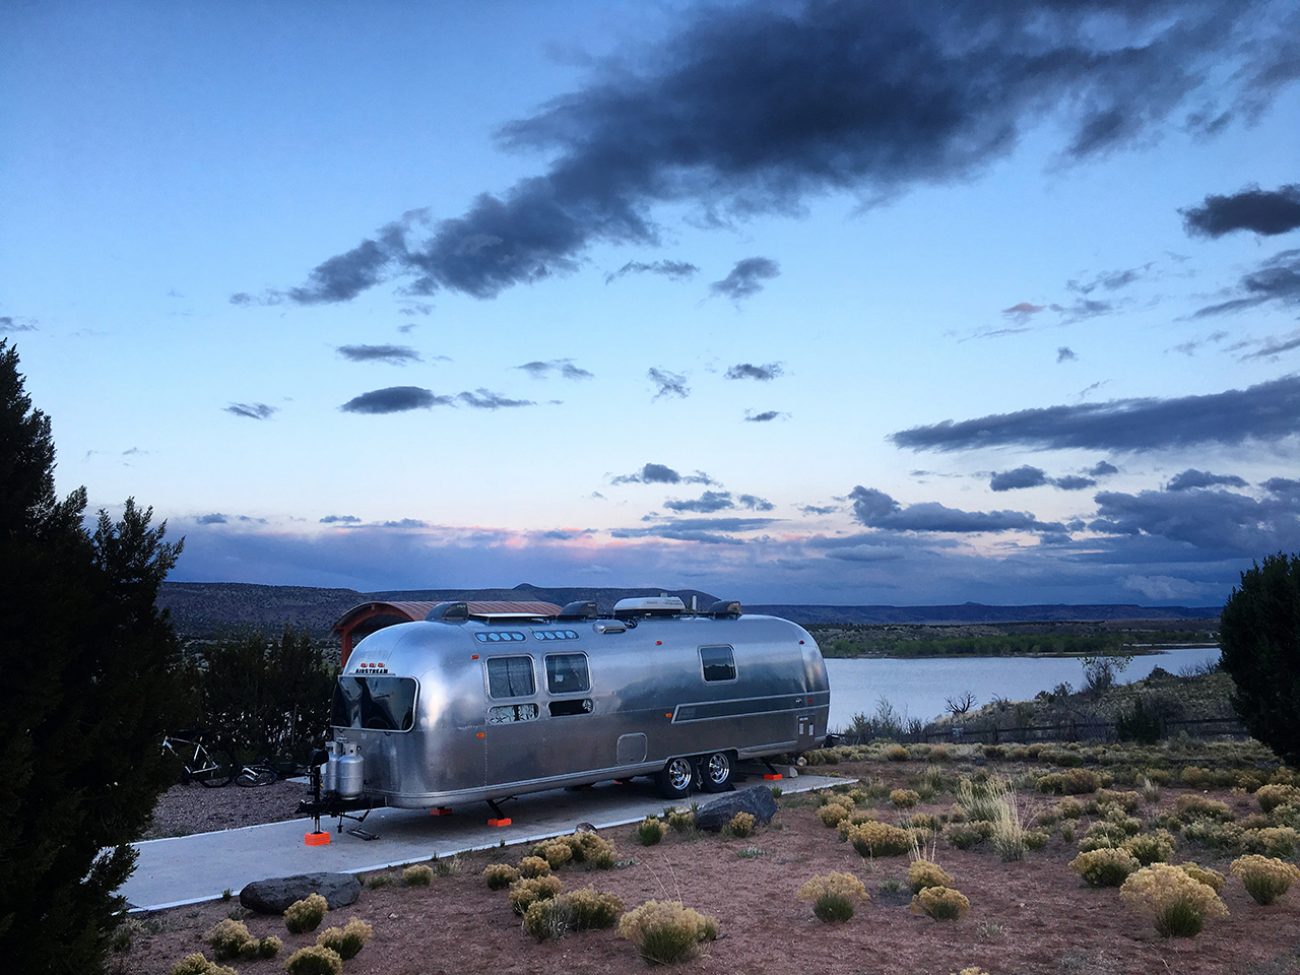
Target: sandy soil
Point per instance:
(1032, 917)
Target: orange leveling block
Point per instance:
(316, 839)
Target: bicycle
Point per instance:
(210, 766)
(268, 771)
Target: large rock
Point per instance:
(274, 895)
(758, 801)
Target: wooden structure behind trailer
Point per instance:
(362, 620)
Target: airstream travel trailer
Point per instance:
(472, 706)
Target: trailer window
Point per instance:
(566, 673)
(718, 662)
(381, 703)
(510, 676)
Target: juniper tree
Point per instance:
(89, 684)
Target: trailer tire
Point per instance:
(675, 779)
(715, 771)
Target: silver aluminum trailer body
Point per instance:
(452, 712)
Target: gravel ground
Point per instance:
(193, 808)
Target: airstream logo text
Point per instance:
(372, 668)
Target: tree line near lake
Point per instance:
(868, 640)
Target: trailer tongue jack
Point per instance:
(331, 804)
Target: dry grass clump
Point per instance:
(1107, 867)
(1069, 809)
(347, 940)
(1127, 801)
(1274, 841)
(926, 873)
(894, 753)
(500, 875)
(666, 931)
(314, 960)
(580, 910)
(904, 798)
(1178, 904)
(1207, 876)
(651, 830)
(964, 836)
(555, 852)
(1072, 782)
(1189, 807)
(833, 813)
(528, 890)
(833, 895)
(1148, 848)
(683, 820)
(1265, 878)
(196, 964)
(231, 939)
(305, 915)
(1273, 795)
(417, 875)
(940, 903)
(584, 848)
(534, 866)
(741, 824)
(877, 839)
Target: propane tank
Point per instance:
(330, 780)
(350, 768)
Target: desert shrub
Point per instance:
(1127, 801)
(1265, 878)
(417, 875)
(314, 960)
(1149, 790)
(1035, 839)
(904, 798)
(196, 964)
(580, 910)
(924, 821)
(527, 890)
(1108, 867)
(499, 875)
(1149, 848)
(1273, 841)
(592, 850)
(556, 853)
(895, 753)
(927, 873)
(1189, 807)
(306, 914)
(832, 814)
(965, 836)
(940, 903)
(1067, 832)
(1211, 878)
(532, 866)
(1048, 817)
(940, 753)
(1214, 834)
(347, 940)
(1073, 782)
(230, 939)
(878, 839)
(651, 830)
(269, 946)
(666, 931)
(741, 824)
(994, 751)
(1286, 814)
(1255, 821)
(833, 895)
(1177, 904)
(1069, 809)
(549, 919)
(683, 820)
(978, 799)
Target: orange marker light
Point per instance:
(668, 714)
(480, 734)
(473, 656)
(659, 643)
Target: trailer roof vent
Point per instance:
(646, 606)
(452, 612)
(725, 609)
(582, 609)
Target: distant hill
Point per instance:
(979, 613)
(206, 609)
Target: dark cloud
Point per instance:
(1103, 468)
(668, 383)
(216, 518)
(1266, 212)
(706, 503)
(11, 325)
(746, 278)
(767, 416)
(875, 509)
(485, 399)
(340, 520)
(754, 503)
(1277, 279)
(563, 368)
(1023, 310)
(1065, 354)
(405, 523)
(396, 355)
(1266, 412)
(745, 370)
(673, 270)
(710, 531)
(1221, 522)
(753, 108)
(662, 474)
(1192, 478)
(251, 411)
(1274, 347)
(1073, 482)
(1109, 280)
(1284, 487)
(395, 399)
(816, 509)
(1021, 477)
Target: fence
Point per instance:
(1069, 731)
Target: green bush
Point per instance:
(417, 875)
(555, 852)
(348, 940)
(196, 964)
(1149, 848)
(741, 824)
(1073, 782)
(1273, 841)
(1211, 878)
(269, 946)
(1265, 878)
(1108, 867)
(499, 875)
(904, 798)
(314, 960)
(525, 892)
(926, 873)
(534, 866)
(878, 839)
(833, 896)
(230, 939)
(965, 836)
(666, 931)
(580, 910)
(683, 820)
(305, 915)
(651, 830)
(940, 903)
(1177, 903)
(1273, 795)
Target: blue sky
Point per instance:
(823, 302)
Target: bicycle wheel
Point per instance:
(252, 776)
(216, 768)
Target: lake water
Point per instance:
(919, 687)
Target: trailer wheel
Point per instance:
(715, 772)
(675, 779)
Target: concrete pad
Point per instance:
(189, 869)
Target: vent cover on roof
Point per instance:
(582, 609)
(725, 609)
(642, 606)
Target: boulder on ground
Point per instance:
(273, 896)
(757, 801)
